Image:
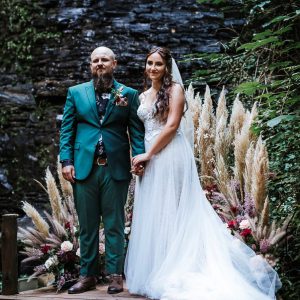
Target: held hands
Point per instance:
(68, 173)
(138, 163)
(138, 170)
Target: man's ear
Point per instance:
(115, 63)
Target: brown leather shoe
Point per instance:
(84, 284)
(115, 284)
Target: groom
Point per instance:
(95, 155)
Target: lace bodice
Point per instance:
(152, 125)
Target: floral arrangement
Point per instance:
(53, 242)
(233, 163)
(129, 210)
(119, 99)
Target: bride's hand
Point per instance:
(140, 158)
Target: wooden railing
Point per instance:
(9, 254)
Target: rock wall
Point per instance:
(28, 132)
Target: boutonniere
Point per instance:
(119, 99)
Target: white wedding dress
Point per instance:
(179, 248)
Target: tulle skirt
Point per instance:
(179, 248)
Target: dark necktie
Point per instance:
(101, 103)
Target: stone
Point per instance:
(31, 104)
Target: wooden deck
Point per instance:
(49, 293)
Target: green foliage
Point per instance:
(262, 63)
(20, 33)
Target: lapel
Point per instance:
(90, 91)
(110, 104)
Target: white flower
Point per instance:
(66, 246)
(101, 248)
(51, 261)
(244, 224)
(127, 230)
(78, 252)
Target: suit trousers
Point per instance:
(99, 195)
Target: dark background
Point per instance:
(64, 33)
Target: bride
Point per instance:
(179, 248)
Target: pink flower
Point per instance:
(244, 224)
(101, 248)
(66, 246)
(264, 245)
(129, 216)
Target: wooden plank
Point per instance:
(9, 255)
(49, 293)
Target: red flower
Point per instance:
(45, 248)
(232, 224)
(246, 232)
(67, 225)
(233, 209)
(121, 101)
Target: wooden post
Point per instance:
(9, 255)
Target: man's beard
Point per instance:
(103, 82)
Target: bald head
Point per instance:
(103, 51)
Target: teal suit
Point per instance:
(101, 190)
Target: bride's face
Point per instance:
(155, 67)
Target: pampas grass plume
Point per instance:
(54, 196)
(40, 224)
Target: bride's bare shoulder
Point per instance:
(177, 89)
(143, 95)
(176, 86)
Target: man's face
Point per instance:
(102, 63)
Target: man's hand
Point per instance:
(68, 173)
(141, 158)
(138, 169)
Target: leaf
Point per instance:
(275, 20)
(262, 35)
(277, 120)
(280, 65)
(203, 72)
(257, 44)
(283, 30)
(293, 46)
(248, 88)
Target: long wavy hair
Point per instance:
(163, 95)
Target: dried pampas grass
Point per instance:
(206, 140)
(248, 174)
(54, 196)
(40, 224)
(221, 108)
(65, 185)
(241, 145)
(260, 172)
(237, 118)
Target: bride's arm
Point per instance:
(176, 106)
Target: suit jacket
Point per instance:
(81, 129)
